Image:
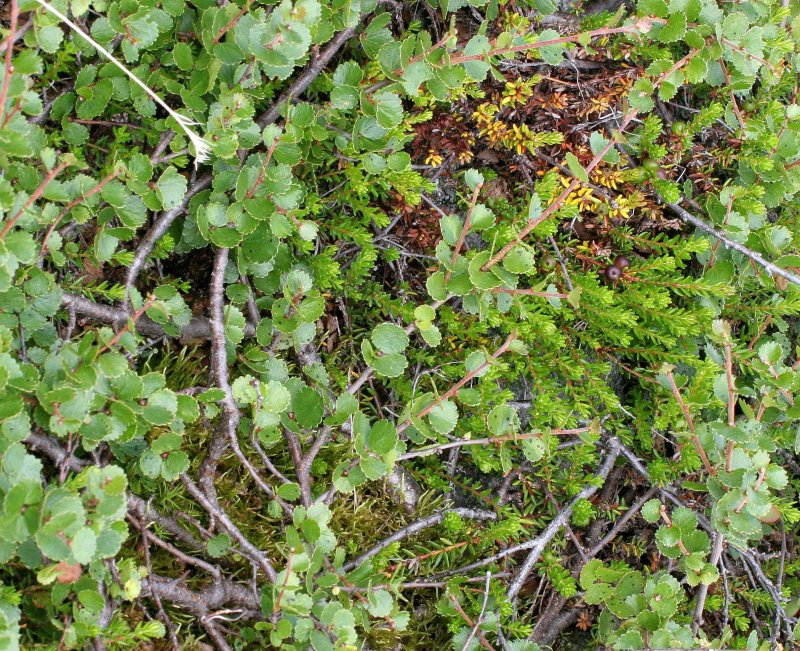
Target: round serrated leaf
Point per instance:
(307, 407)
(502, 420)
(519, 260)
(482, 279)
(382, 437)
(373, 468)
(651, 511)
(389, 338)
(275, 397)
(432, 336)
(111, 364)
(443, 417)
(390, 365)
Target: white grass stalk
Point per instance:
(201, 147)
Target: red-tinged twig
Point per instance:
(762, 474)
(72, 204)
(741, 50)
(276, 607)
(731, 385)
(131, 322)
(481, 637)
(760, 332)
(14, 110)
(263, 170)
(732, 95)
(232, 23)
(562, 40)
(462, 236)
(690, 423)
(36, 194)
(12, 30)
(668, 521)
(528, 292)
(491, 440)
(453, 390)
(415, 527)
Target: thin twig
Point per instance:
(307, 77)
(414, 527)
(479, 621)
(9, 69)
(769, 267)
(702, 591)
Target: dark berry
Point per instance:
(613, 273)
(621, 262)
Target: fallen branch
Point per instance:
(158, 231)
(414, 527)
(198, 327)
(307, 77)
(538, 544)
(769, 267)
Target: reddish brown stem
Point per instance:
(467, 223)
(134, 318)
(233, 22)
(71, 205)
(36, 194)
(575, 38)
(690, 423)
(455, 388)
(12, 30)
(263, 171)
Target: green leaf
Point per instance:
(443, 417)
(674, 30)
(386, 364)
(170, 188)
(372, 468)
(576, 168)
(275, 397)
(503, 420)
(388, 109)
(481, 218)
(49, 37)
(597, 142)
(519, 260)
(218, 545)
(478, 45)
(389, 338)
(415, 75)
(382, 437)
(84, 545)
(552, 54)
(380, 603)
(651, 511)
(308, 408)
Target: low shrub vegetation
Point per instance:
(466, 324)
